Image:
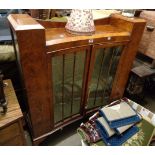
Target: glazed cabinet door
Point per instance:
(103, 67)
(68, 69)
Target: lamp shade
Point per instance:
(81, 22)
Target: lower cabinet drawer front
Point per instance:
(9, 133)
(16, 141)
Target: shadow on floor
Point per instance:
(65, 137)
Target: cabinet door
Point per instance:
(68, 75)
(103, 67)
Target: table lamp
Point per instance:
(81, 22)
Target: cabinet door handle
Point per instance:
(150, 28)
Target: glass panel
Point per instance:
(94, 81)
(67, 75)
(100, 99)
(112, 70)
(57, 68)
(106, 61)
(68, 82)
(73, 77)
(78, 79)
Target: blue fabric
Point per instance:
(117, 131)
(121, 122)
(117, 140)
(101, 127)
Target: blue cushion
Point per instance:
(117, 140)
(121, 122)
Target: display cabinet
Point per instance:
(66, 76)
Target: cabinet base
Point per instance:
(40, 139)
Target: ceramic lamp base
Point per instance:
(80, 33)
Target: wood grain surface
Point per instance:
(14, 111)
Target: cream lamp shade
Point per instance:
(81, 22)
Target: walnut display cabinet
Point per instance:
(67, 77)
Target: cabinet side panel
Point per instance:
(34, 68)
(126, 61)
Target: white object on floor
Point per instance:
(83, 143)
(135, 105)
(153, 120)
